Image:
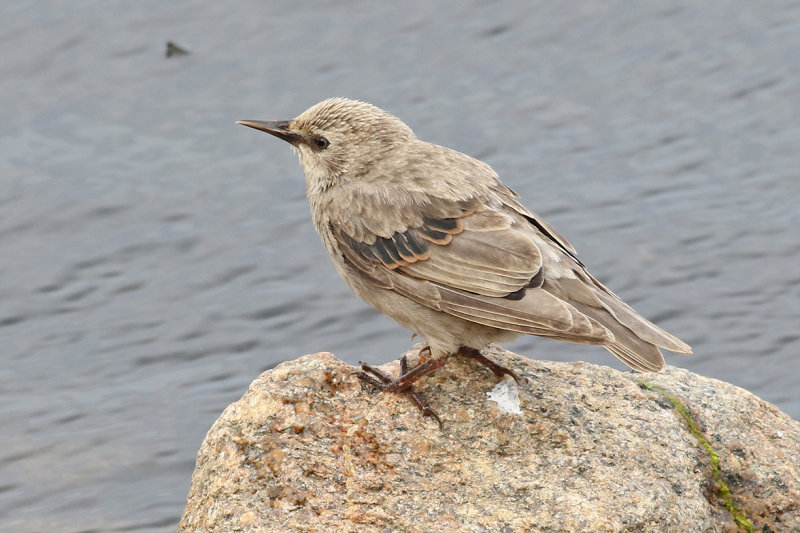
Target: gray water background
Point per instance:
(155, 257)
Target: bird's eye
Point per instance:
(321, 142)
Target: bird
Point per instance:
(432, 238)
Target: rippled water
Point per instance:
(155, 258)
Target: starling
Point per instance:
(432, 238)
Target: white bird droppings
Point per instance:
(506, 394)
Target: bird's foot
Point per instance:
(499, 370)
(404, 382)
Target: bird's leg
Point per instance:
(405, 381)
(499, 370)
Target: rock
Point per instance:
(309, 447)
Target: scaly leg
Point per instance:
(405, 381)
(499, 370)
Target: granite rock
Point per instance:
(310, 447)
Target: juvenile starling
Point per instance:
(432, 238)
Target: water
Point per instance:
(155, 257)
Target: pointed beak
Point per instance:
(278, 128)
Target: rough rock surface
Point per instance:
(311, 448)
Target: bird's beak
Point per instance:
(278, 128)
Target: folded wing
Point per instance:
(479, 267)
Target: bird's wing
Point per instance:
(511, 199)
(481, 266)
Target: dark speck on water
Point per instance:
(155, 257)
(175, 50)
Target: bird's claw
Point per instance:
(404, 382)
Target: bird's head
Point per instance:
(338, 139)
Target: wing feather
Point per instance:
(485, 260)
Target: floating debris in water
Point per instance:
(175, 50)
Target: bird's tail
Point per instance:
(636, 339)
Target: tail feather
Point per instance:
(640, 326)
(634, 359)
(636, 340)
(635, 352)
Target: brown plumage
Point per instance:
(432, 238)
